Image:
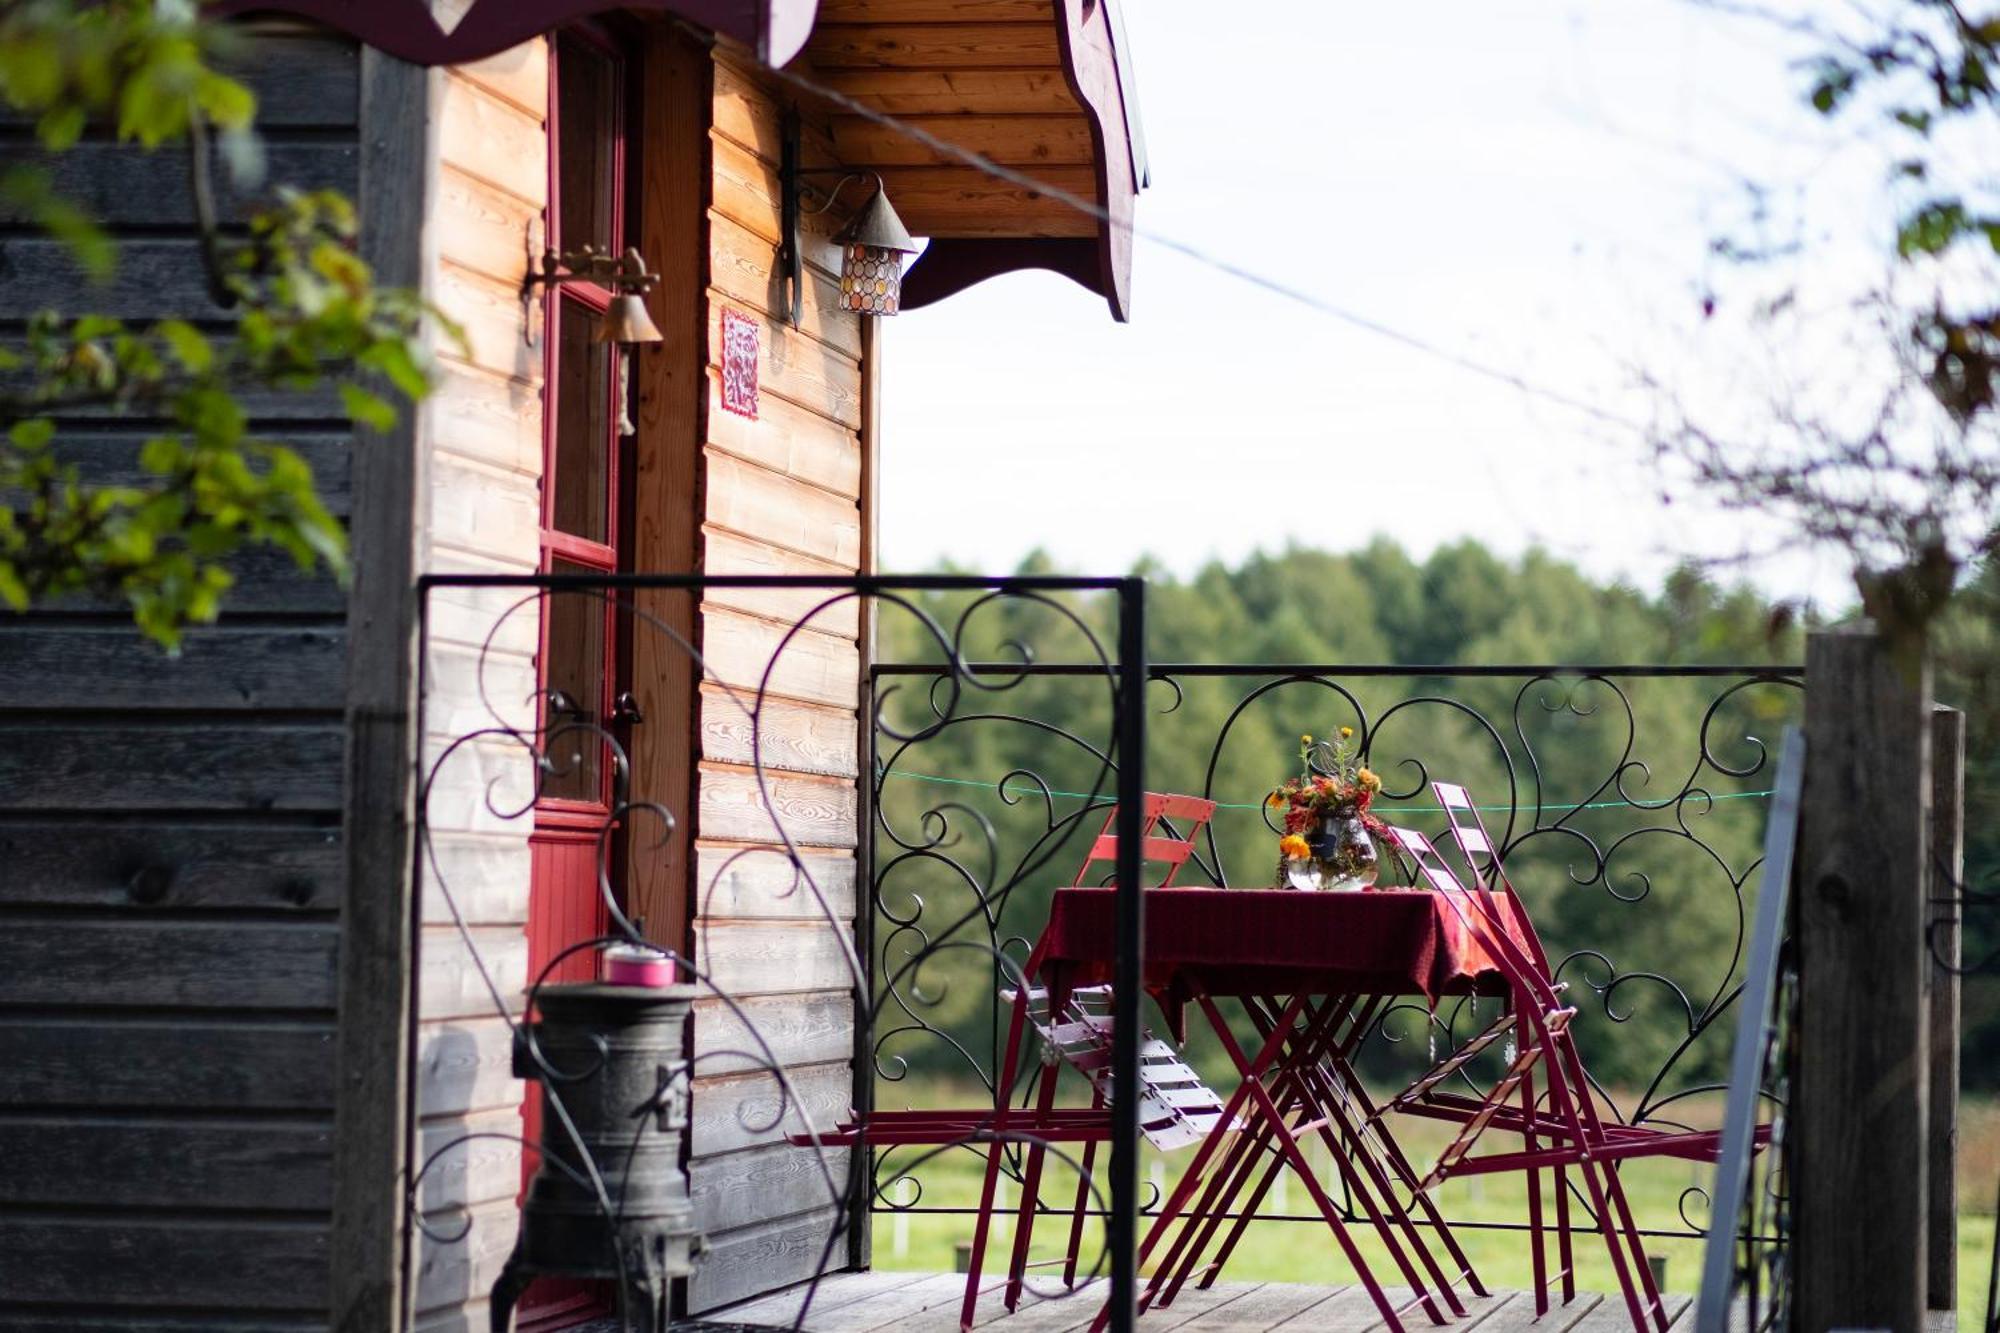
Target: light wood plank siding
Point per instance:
(780, 495)
(171, 865)
(480, 514)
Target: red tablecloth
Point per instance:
(1277, 942)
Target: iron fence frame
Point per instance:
(1128, 679)
(1271, 675)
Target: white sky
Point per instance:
(1530, 183)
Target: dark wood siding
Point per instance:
(170, 858)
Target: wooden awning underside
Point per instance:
(463, 31)
(1039, 87)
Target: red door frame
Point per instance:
(564, 904)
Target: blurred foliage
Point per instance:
(1648, 897)
(296, 310)
(1893, 463)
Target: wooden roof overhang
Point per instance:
(407, 29)
(1040, 87)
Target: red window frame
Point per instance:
(555, 544)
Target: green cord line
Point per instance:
(1258, 805)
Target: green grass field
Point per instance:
(1307, 1252)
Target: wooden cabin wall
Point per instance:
(170, 850)
(781, 494)
(482, 443)
(716, 492)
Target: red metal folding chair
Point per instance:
(1177, 1109)
(1561, 1128)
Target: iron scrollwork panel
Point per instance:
(499, 750)
(1628, 803)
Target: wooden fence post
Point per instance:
(1857, 1121)
(1947, 869)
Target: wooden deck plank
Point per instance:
(1350, 1310)
(881, 1301)
(1610, 1316)
(1518, 1315)
(1053, 1311)
(1258, 1311)
(898, 1308)
(1195, 1306)
(1067, 1314)
(1479, 1309)
(942, 1316)
(837, 1290)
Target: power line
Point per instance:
(1228, 267)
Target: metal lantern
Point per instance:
(872, 247)
(614, 1081)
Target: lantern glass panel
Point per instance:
(871, 279)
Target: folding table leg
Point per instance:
(1226, 1181)
(1262, 1099)
(1191, 1178)
(1253, 1154)
(1359, 1169)
(1237, 1170)
(1332, 1015)
(1341, 1067)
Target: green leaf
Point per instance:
(1932, 228)
(13, 591)
(161, 455)
(397, 359)
(228, 103)
(1832, 82)
(34, 433)
(368, 409)
(187, 344)
(60, 127)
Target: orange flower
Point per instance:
(1294, 847)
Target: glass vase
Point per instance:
(1344, 856)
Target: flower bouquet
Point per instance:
(1329, 836)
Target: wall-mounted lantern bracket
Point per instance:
(872, 244)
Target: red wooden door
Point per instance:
(579, 660)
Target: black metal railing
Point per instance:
(530, 728)
(1629, 802)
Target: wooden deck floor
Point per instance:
(878, 1302)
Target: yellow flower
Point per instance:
(1305, 740)
(1346, 733)
(1366, 777)
(1275, 799)
(1294, 847)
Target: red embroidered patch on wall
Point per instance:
(739, 364)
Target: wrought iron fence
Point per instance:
(1629, 803)
(541, 696)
